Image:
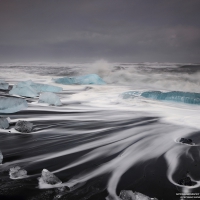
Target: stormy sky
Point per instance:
(88, 30)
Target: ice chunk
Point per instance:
(3, 85)
(50, 98)
(17, 172)
(126, 195)
(177, 96)
(31, 89)
(81, 80)
(129, 195)
(25, 91)
(184, 97)
(11, 104)
(4, 122)
(48, 178)
(24, 126)
(1, 157)
(39, 87)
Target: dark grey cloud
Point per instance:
(87, 30)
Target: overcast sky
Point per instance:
(89, 30)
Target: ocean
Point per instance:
(99, 143)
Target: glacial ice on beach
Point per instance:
(25, 91)
(176, 96)
(4, 122)
(24, 126)
(1, 157)
(31, 89)
(17, 172)
(93, 79)
(50, 98)
(38, 87)
(12, 104)
(129, 195)
(3, 85)
(184, 97)
(48, 178)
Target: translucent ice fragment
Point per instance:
(48, 178)
(175, 96)
(25, 91)
(4, 122)
(3, 85)
(50, 98)
(32, 89)
(39, 87)
(81, 80)
(24, 126)
(17, 172)
(184, 97)
(11, 104)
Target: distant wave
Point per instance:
(151, 76)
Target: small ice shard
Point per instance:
(1, 157)
(39, 87)
(3, 85)
(24, 126)
(25, 91)
(50, 98)
(185, 181)
(11, 104)
(129, 195)
(17, 172)
(4, 122)
(186, 141)
(48, 178)
(81, 80)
